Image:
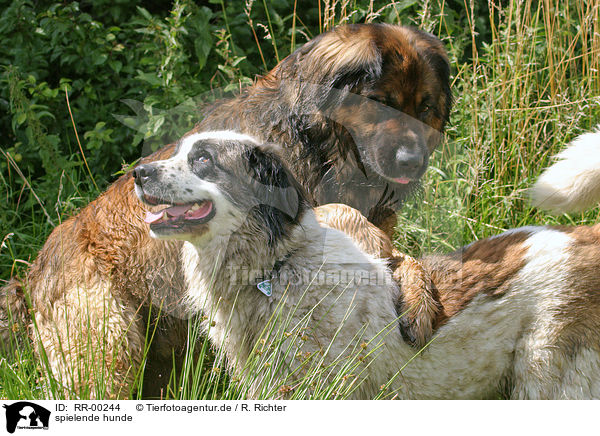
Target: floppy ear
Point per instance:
(281, 198)
(343, 58)
(432, 50)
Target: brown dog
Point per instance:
(100, 277)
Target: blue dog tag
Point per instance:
(265, 287)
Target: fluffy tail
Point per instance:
(572, 183)
(13, 311)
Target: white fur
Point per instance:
(190, 187)
(513, 338)
(572, 183)
(242, 311)
(188, 141)
(543, 368)
(493, 340)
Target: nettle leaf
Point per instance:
(144, 13)
(115, 65)
(42, 114)
(50, 92)
(20, 118)
(200, 31)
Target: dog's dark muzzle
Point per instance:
(407, 163)
(402, 160)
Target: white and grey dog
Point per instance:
(521, 310)
(256, 252)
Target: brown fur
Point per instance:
(520, 313)
(437, 288)
(369, 238)
(485, 266)
(405, 74)
(100, 277)
(583, 318)
(420, 306)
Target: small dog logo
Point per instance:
(26, 415)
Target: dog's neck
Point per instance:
(223, 276)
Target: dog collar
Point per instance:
(264, 286)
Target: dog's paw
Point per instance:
(419, 305)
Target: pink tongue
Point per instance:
(402, 180)
(152, 217)
(204, 210)
(177, 211)
(174, 211)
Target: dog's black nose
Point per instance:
(143, 173)
(407, 161)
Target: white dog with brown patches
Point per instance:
(521, 311)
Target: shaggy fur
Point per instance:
(522, 308)
(253, 217)
(418, 304)
(99, 273)
(572, 183)
(358, 111)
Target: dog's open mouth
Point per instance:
(179, 216)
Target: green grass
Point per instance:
(526, 81)
(280, 366)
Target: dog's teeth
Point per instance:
(195, 207)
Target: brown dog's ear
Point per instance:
(346, 50)
(433, 51)
(342, 58)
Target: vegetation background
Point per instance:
(525, 77)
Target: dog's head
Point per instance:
(217, 184)
(388, 86)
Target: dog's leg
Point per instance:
(93, 343)
(558, 361)
(14, 316)
(387, 224)
(166, 354)
(420, 305)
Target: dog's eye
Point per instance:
(202, 158)
(200, 161)
(424, 111)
